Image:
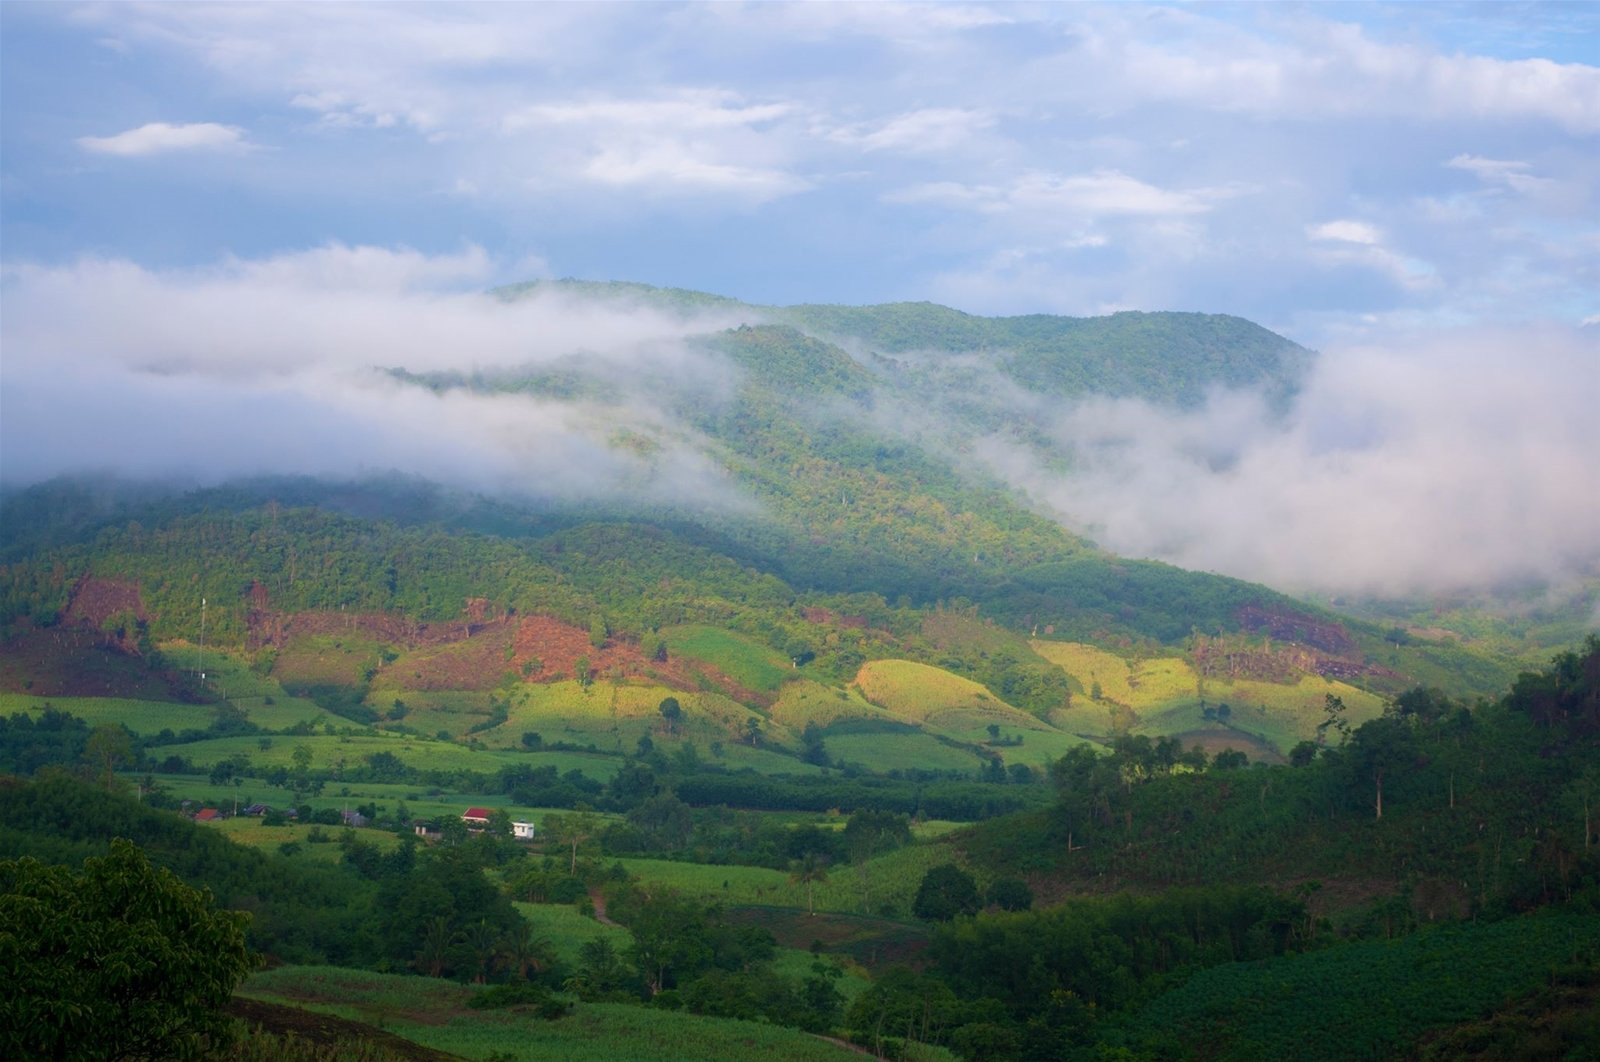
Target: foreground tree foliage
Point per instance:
(120, 960)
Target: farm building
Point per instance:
(476, 818)
(522, 831)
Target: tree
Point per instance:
(598, 632)
(574, 831)
(437, 940)
(671, 711)
(118, 960)
(946, 891)
(583, 671)
(808, 871)
(109, 745)
(1380, 746)
(1011, 894)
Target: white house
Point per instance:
(522, 831)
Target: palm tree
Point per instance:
(808, 871)
(436, 944)
(521, 950)
(483, 941)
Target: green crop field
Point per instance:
(351, 750)
(141, 717)
(747, 662)
(891, 751)
(567, 929)
(1365, 999)
(252, 834)
(434, 1013)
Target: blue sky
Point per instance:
(215, 219)
(1320, 169)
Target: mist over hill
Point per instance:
(848, 437)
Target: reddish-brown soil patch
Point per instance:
(94, 600)
(328, 1030)
(79, 662)
(466, 655)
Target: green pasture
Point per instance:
(568, 929)
(141, 717)
(434, 1013)
(898, 750)
(420, 803)
(1039, 747)
(337, 751)
(889, 881)
(250, 833)
(744, 660)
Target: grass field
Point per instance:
(351, 750)
(891, 751)
(434, 1013)
(141, 717)
(745, 661)
(889, 880)
(568, 930)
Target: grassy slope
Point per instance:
(434, 1013)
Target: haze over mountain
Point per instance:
(225, 225)
(1358, 470)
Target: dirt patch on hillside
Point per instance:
(1288, 625)
(80, 662)
(96, 600)
(328, 1030)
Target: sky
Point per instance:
(235, 206)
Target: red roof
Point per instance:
(207, 814)
(477, 813)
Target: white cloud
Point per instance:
(274, 365)
(1510, 173)
(924, 131)
(1345, 231)
(1448, 462)
(1101, 193)
(156, 138)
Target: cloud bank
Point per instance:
(1428, 464)
(278, 365)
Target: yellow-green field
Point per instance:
(921, 693)
(806, 702)
(1163, 696)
